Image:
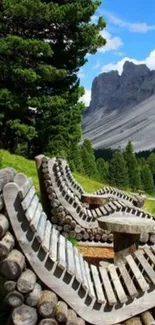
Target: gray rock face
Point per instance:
(122, 108)
(111, 91)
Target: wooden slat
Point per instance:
(97, 284)
(103, 210)
(27, 199)
(62, 252)
(70, 258)
(146, 266)
(149, 254)
(91, 288)
(46, 240)
(137, 274)
(85, 282)
(127, 279)
(35, 221)
(117, 284)
(25, 188)
(41, 227)
(54, 245)
(98, 211)
(77, 264)
(32, 208)
(107, 286)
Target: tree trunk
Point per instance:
(33, 297)
(6, 175)
(14, 299)
(152, 238)
(71, 317)
(4, 225)
(47, 304)
(24, 315)
(61, 312)
(26, 281)
(80, 321)
(133, 321)
(13, 265)
(48, 321)
(10, 286)
(6, 245)
(147, 318)
(77, 229)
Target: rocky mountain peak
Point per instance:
(111, 91)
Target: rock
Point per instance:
(122, 108)
(111, 91)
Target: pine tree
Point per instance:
(88, 159)
(147, 179)
(118, 171)
(133, 169)
(103, 169)
(151, 163)
(43, 44)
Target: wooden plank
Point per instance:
(35, 221)
(117, 204)
(91, 288)
(25, 188)
(127, 279)
(98, 211)
(84, 282)
(32, 208)
(137, 274)
(77, 265)
(103, 211)
(114, 208)
(117, 283)
(70, 258)
(54, 245)
(97, 284)
(46, 240)
(149, 254)
(62, 252)
(27, 199)
(107, 286)
(108, 208)
(41, 227)
(146, 266)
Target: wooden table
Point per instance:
(126, 232)
(93, 200)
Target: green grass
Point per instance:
(88, 184)
(149, 206)
(28, 167)
(21, 164)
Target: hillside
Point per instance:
(122, 108)
(27, 167)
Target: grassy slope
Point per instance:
(28, 167)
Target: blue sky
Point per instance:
(130, 35)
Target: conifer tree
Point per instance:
(151, 163)
(103, 169)
(118, 171)
(147, 179)
(43, 44)
(133, 169)
(88, 159)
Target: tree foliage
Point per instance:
(42, 46)
(133, 169)
(118, 171)
(147, 179)
(88, 159)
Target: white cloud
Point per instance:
(97, 65)
(86, 97)
(149, 61)
(132, 27)
(113, 42)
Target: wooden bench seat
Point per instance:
(53, 171)
(89, 290)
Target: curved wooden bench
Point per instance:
(85, 218)
(112, 192)
(98, 295)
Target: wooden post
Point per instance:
(24, 315)
(125, 244)
(13, 265)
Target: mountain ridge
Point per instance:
(122, 108)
